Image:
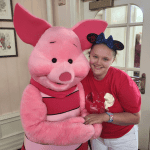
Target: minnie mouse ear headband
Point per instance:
(97, 39)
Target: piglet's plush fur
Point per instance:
(53, 104)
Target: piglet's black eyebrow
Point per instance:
(75, 45)
(53, 42)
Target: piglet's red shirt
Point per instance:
(124, 92)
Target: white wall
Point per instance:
(67, 15)
(14, 77)
(14, 74)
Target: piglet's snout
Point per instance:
(66, 76)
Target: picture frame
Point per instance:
(8, 44)
(6, 10)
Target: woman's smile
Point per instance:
(97, 66)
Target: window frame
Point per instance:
(127, 26)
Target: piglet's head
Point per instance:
(57, 61)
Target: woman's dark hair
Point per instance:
(114, 51)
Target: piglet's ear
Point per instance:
(28, 27)
(85, 27)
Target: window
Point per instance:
(125, 24)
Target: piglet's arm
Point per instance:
(39, 130)
(84, 112)
(82, 100)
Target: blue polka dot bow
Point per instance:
(101, 39)
(97, 39)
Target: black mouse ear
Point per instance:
(92, 37)
(118, 45)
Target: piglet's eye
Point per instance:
(54, 60)
(70, 61)
(75, 45)
(53, 42)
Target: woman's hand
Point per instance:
(96, 118)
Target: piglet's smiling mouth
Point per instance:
(98, 67)
(60, 83)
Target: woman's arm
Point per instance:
(123, 118)
(126, 118)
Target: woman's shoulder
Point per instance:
(117, 72)
(120, 77)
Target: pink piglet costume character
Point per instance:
(53, 104)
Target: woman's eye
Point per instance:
(105, 59)
(95, 56)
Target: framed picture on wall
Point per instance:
(6, 10)
(8, 44)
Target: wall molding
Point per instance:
(9, 117)
(11, 131)
(12, 143)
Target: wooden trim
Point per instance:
(86, 0)
(101, 4)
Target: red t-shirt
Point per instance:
(127, 98)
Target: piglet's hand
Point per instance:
(95, 120)
(73, 131)
(98, 130)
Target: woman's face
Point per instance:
(101, 58)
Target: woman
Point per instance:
(112, 98)
(137, 51)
